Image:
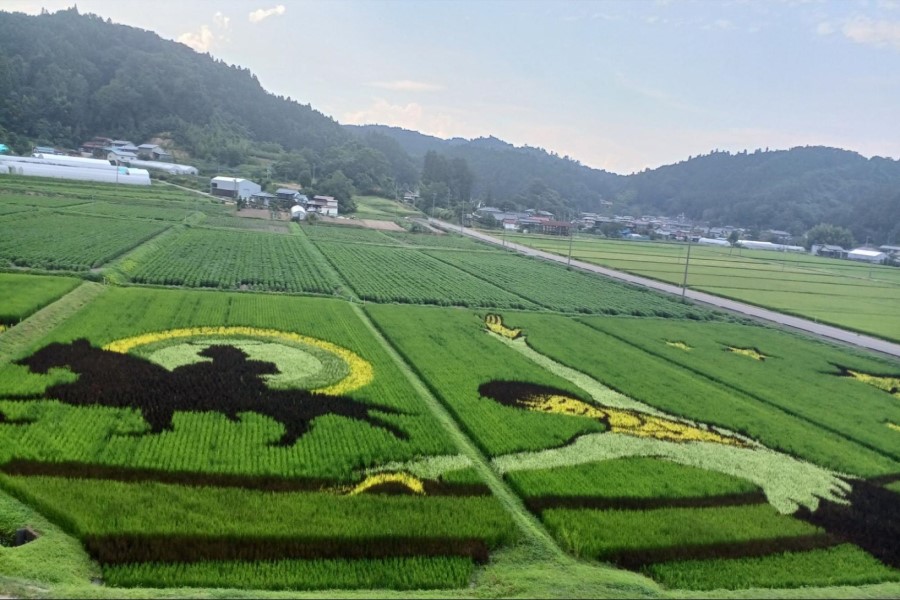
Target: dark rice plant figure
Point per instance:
(229, 384)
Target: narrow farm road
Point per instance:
(527, 522)
(819, 329)
(17, 339)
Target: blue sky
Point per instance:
(617, 85)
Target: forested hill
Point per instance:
(504, 173)
(65, 77)
(785, 189)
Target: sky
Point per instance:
(617, 85)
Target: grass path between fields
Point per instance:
(18, 339)
(538, 567)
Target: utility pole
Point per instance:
(687, 262)
(571, 237)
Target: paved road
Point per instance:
(826, 331)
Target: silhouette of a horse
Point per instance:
(230, 384)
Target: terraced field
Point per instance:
(343, 408)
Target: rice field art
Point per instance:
(263, 455)
(818, 508)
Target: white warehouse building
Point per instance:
(233, 187)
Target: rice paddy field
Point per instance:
(850, 295)
(193, 407)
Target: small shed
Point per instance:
(867, 255)
(287, 194)
(298, 213)
(233, 187)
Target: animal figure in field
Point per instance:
(229, 384)
(851, 509)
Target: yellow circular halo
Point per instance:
(361, 371)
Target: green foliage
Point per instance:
(77, 243)
(22, 295)
(810, 386)
(340, 187)
(554, 287)
(627, 478)
(414, 573)
(106, 508)
(395, 274)
(209, 442)
(825, 233)
(610, 534)
(233, 260)
(680, 391)
(450, 352)
(841, 565)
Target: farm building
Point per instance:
(555, 227)
(298, 213)
(324, 205)
(37, 167)
(233, 187)
(287, 194)
(828, 250)
(262, 199)
(75, 161)
(867, 255)
(168, 167)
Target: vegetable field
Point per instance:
(840, 292)
(690, 472)
(249, 403)
(248, 418)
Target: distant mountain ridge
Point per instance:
(61, 84)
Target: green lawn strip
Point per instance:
(840, 565)
(799, 375)
(73, 242)
(336, 447)
(21, 294)
(630, 478)
(895, 487)
(679, 391)
(120, 269)
(18, 340)
(401, 573)
(232, 260)
(407, 275)
(450, 352)
(53, 558)
(374, 207)
(638, 535)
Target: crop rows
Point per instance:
(386, 274)
(236, 260)
(343, 234)
(655, 491)
(134, 211)
(22, 295)
(75, 243)
(269, 486)
(556, 288)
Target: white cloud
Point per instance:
(864, 30)
(408, 116)
(264, 13)
(405, 85)
(824, 28)
(200, 40)
(204, 38)
(221, 20)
